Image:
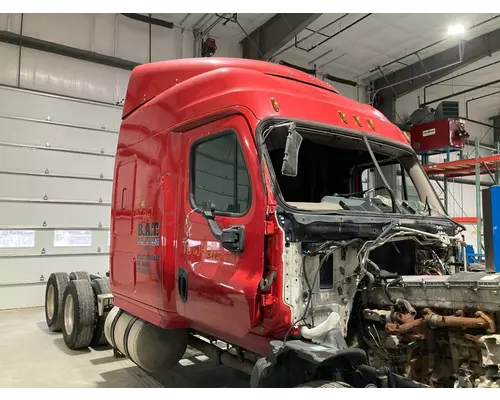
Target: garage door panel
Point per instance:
(37, 106)
(36, 187)
(58, 215)
(12, 297)
(35, 133)
(32, 294)
(22, 159)
(31, 269)
(54, 200)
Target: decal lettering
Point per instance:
(148, 233)
(146, 262)
(143, 213)
(203, 252)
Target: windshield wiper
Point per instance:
(395, 206)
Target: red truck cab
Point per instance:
(202, 231)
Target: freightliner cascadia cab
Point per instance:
(255, 205)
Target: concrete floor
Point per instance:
(32, 356)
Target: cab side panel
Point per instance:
(138, 230)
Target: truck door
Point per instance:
(217, 287)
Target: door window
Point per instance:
(219, 174)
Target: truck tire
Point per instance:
(54, 291)
(99, 286)
(79, 314)
(325, 384)
(79, 275)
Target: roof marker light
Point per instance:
(275, 105)
(342, 116)
(358, 121)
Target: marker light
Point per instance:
(357, 120)
(275, 105)
(343, 117)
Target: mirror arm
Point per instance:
(207, 213)
(214, 228)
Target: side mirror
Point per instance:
(232, 238)
(291, 156)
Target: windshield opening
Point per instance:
(335, 172)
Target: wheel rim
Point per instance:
(68, 314)
(50, 302)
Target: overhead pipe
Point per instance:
(477, 98)
(339, 32)
(307, 71)
(67, 51)
(308, 36)
(433, 44)
(198, 23)
(478, 123)
(214, 24)
(456, 76)
(461, 92)
(340, 80)
(460, 56)
(183, 20)
(150, 20)
(234, 18)
(320, 56)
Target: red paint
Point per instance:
(168, 106)
(465, 220)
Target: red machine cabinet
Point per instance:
(438, 136)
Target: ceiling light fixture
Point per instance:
(456, 29)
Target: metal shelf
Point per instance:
(476, 166)
(465, 167)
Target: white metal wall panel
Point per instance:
(8, 64)
(10, 22)
(47, 133)
(55, 162)
(70, 77)
(27, 104)
(27, 215)
(56, 168)
(75, 30)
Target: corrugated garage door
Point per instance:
(56, 170)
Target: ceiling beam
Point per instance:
(421, 73)
(268, 38)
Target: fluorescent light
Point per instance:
(456, 29)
